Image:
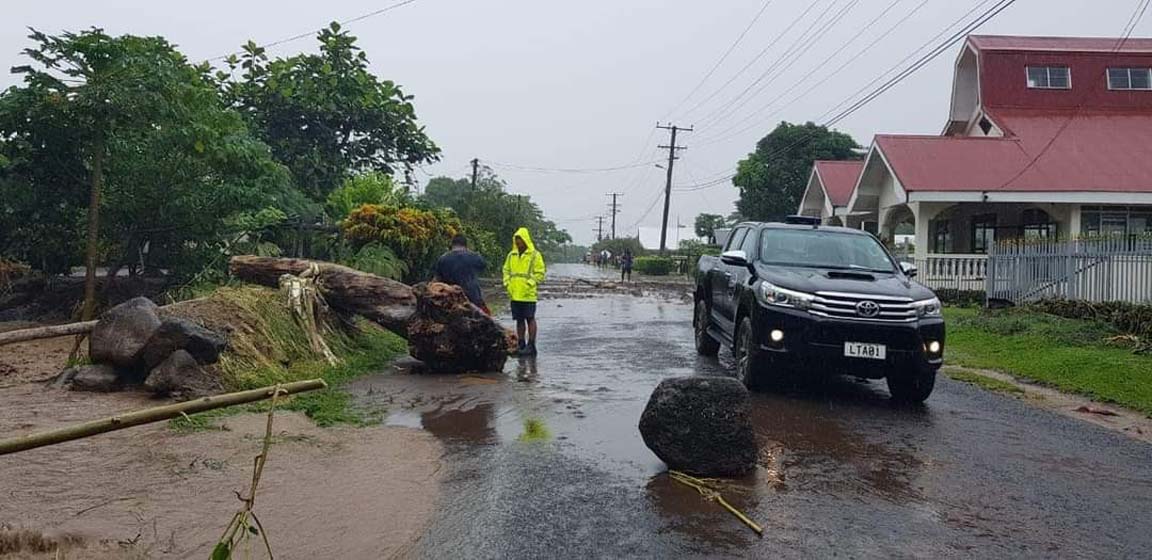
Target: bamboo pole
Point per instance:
(149, 415)
(53, 331)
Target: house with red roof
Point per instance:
(1046, 138)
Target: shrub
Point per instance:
(653, 266)
(417, 236)
(961, 298)
(1126, 317)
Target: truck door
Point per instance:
(740, 274)
(723, 281)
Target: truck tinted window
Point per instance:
(817, 248)
(736, 239)
(749, 246)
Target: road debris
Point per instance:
(1101, 411)
(710, 492)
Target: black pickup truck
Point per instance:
(802, 298)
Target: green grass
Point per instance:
(270, 348)
(1068, 354)
(535, 430)
(983, 381)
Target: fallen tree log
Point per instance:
(23, 335)
(149, 415)
(386, 302)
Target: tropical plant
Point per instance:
(416, 236)
(371, 187)
(772, 179)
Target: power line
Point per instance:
(569, 169)
(931, 55)
(755, 59)
(820, 67)
(299, 36)
(723, 57)
(789, 56)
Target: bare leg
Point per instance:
(531, 331)
(520, 331)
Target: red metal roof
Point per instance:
(1102, 151)
(839, 178)
(1064, 44)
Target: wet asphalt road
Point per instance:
(844, 472)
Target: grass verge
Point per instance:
(267, 346)
(983, 381)
(1068, 354)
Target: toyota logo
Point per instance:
(867, 309)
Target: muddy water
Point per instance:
(150, 493)
(545, 459)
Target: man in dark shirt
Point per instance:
(460, 266)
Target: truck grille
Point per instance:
(863, 307)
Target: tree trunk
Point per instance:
(148, 415)
(92, 243)
(53, 331)
(387, 302)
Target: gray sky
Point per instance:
(581, 84)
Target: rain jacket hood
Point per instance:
(523, 272)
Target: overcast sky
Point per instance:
(549, 84)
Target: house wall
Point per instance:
(1003, 80)
(962, 216)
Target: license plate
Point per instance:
(865, 350)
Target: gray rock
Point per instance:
(181, 375)
(701, 425)
(181, 334)
(122, 332)
(97, 378)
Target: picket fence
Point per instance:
(1096, 269)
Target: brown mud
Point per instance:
(149, 492)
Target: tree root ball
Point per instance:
(450, 335)
(701, 426)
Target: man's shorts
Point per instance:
(522, 310)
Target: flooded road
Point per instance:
(545, 459)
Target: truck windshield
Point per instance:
(816, 248)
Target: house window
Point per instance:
(1037, 224)
(1130, 78)
(983, 233)
(941, 236)
(1115, 220)
(1049, 77)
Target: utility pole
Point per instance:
(615, 210)
(672, 148)
(599, 228)
(475, 167)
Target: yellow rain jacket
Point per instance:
(523, 271)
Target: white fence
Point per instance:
(1104, 269)
(949, 271)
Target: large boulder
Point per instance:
(180, 375)
(181, 334)
(450, 335)
(701, 425)
(99, 378)
(122, 332)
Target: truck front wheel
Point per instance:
(751, 364)
(706, 345)
(912, 385)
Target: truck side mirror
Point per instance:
(909, 269)
(735, 258)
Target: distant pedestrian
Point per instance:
(626, 265)
(523, 272)
(460, 267)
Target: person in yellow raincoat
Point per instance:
(523, 272)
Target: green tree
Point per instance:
(491, 208)
(326, 115)
(618, 245)
(706, 225)
(372, 187)
(772, 179)
(123, 134)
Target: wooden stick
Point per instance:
(710, 493)
(53, 331)
(149, 415)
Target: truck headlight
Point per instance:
(927, 307)
(783, 297)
